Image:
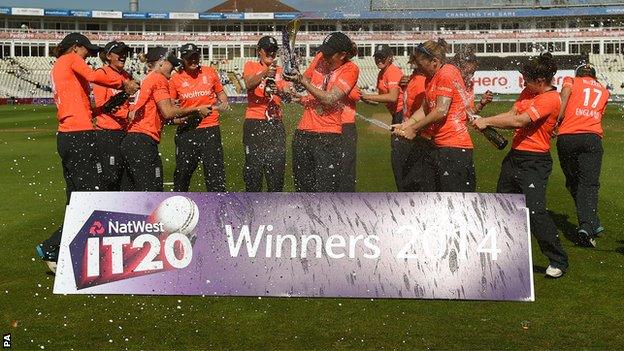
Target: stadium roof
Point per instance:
(252, 6)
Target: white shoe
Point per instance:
(553, 272)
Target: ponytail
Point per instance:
(353, 52)
(542, 66)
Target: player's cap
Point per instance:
(77, 38)
(586, 70)
(160, 53)
(267, 43)
(117, 47)
(188, 50)
(335, 42)
(382, 51)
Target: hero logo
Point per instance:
(134, 245)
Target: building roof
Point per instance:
(252, 6)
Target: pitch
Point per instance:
(581, 310)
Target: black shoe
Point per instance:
(586, 239)
(49, 257)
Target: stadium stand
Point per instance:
(502, 33)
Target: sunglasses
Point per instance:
(114, 46)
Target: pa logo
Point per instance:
(6, 341)
(96, 228)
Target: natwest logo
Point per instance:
(96, 228)
(134, 227)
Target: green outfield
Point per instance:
(583, 310)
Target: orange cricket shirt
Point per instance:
(585, 107)
(543, 109)
(70, 77)
(198, 90)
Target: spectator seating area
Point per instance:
(29, 77)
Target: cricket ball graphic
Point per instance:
(178, 214)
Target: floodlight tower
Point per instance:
(134, 5)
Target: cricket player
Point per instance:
(153, 106)
(264, 136)
(76, 135)
(443, 117)
(579, 145)
(199, 139)
(317, 143)
(527, 167)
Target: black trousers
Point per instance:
(81, 169)
(143, 163)
(349, 158)
(199, 145)
(527, 173)
(317, 161)
(452, 168)
(109, 150)
(265, 154)
(409, 164)
(580, 156)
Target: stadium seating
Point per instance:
(610, 69)
(28, 77)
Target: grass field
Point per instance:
(583, 310)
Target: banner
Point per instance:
(183, 15)
(22, 11)
(366, 245)
(509, 82)
(106, 14)
(258, 15)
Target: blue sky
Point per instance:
(182, 6)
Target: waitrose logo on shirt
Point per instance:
(196, 94)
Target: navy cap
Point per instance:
(117, 47)
(160, 53)
(267, 43)
(383, 51)
(77, 38)
(189, 49)
(335, 42)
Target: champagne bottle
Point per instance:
(494, 137)
(115, 101)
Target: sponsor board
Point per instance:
(367, 245)
(508, 82)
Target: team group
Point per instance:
(431, 109)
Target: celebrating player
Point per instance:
(76, 136)
(317, 144)
(414, 156)
(443, 116)
(391, 93)
(111, 125)
(152, 105)
(579, 145)
(198, 139)
(264, 136)
(349, 136)
(526, 168)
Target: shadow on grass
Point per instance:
(620, 249)
(539, 269)
(565, 226)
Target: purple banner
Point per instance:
(367, 245)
